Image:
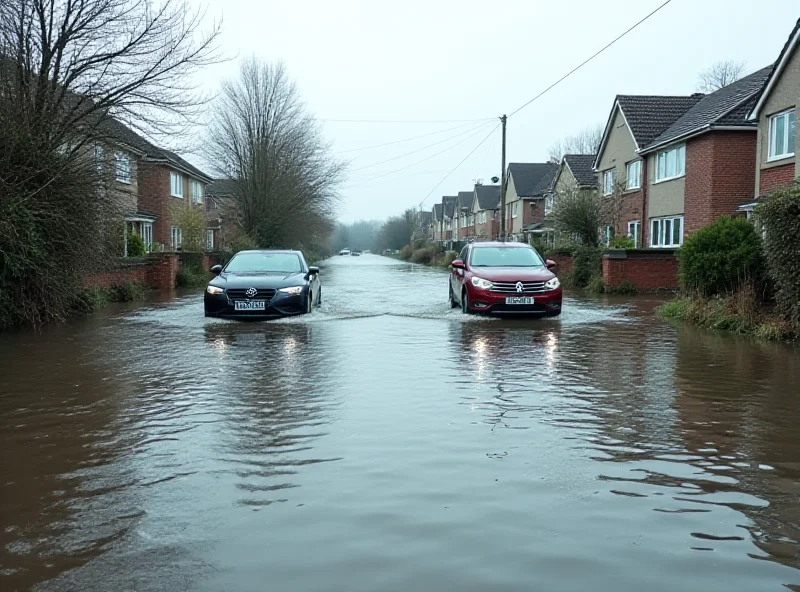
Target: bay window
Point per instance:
(782, 134)
(671, 164)
(666, 232)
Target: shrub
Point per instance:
(127, 292)
(89, 300)
(721, 258)
(405, 253)
(624, 288)
(596, 285)
(191, 277)
(135, 246)
(449, 257)
(779, 215)
(586, 263)
(191, 219)
(423, 256)
(621, 242)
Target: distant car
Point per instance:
(355, 253)
(263, 284)
(344, 252)
(504, 278)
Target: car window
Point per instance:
(265, 262)
(463, 254)
(505, 257)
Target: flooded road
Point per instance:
(389, 443)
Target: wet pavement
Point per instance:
(387, 442)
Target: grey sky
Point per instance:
(468, 60)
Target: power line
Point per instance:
(405, 120)
(449, 129)
(459, 164)
(483, 125)
(582, 64)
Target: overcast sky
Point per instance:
(471, 61)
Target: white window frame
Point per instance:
(122, 167)
(658, 232)
(515, 209)
(634, 231)
(196, 188)
(608, 182)
(637, 165)
(549, 203)
(175, 181)
(147, 235)
(788, 146)
(608, 234)
(175, 237)
(210, 239)
(680, 164)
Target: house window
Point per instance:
(211, 203)
(782, 134)
(608, 234)
(634, 228)
(147, 235)
(634, 175)
(608, 182)
(210, 239)
(666, 232)
(671, 163)
(515, 209)
(175, 238)
(197, 192)
(175, 184)
(123, 168)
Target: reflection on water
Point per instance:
(389, 443)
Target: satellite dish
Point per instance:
(495, 179)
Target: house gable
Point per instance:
(785, 65)
(618, 146)
(565, 179)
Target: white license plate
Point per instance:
(250, 305)
(519, 300)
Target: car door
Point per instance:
(457, 275)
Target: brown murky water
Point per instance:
(389, 443)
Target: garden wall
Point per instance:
(649, 270)
(157, 270)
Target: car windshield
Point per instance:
(265, 262)
(505, 257)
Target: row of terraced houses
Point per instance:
(671, 164)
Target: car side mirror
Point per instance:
(550, 264)
(216, 269)
(312, 271)
(458, 264)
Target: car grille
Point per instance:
(263, 293)
(511, 287)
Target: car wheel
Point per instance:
(451, 298)
(465, 302)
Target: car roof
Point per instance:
(287, 251)
(500, 244)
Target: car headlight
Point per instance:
(552, 284)
(214, 290)
(481, 283)
(292, 290)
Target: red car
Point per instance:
(504, 278)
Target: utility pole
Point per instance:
(503, 185)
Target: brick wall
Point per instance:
(628, 209)
(776, 177)
(532, 211)
(563, 261)
(157, 270)
(720, 175)
(154, 197)
(650, 270)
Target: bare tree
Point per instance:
(718, 75)
(586, 141)
(262, 138)
(67, 69)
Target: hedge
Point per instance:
(779, 216)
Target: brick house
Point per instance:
(702, 166)
(485, 211)
(527, 184)
(448, 215)
(634, 122)
(437, 220)
(221, 222)
(775, 113)
(466, 222)
(158, 178)
(575, 173)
